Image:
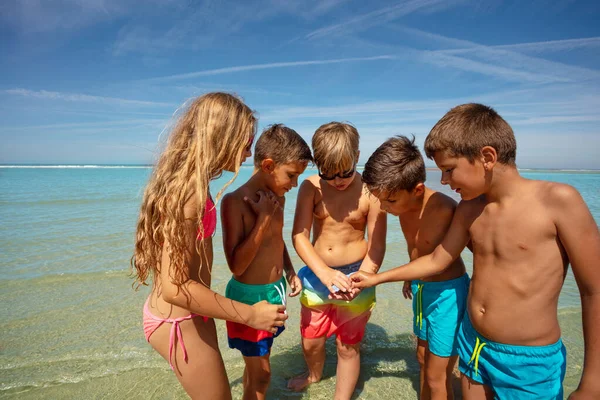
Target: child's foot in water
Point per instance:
(300, 382)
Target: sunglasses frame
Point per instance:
(341, 175)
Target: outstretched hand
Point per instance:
(363, 279)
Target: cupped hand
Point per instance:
(335, 281)
(295, 285)
(266, 204)
(267, 317)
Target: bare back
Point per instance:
(339, 222)
(519, 266)
(425, 228)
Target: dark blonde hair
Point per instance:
(281, 144)
(335, 147)
(467, 128)
(210, 136)
(396, 165)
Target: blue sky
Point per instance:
(97, 81)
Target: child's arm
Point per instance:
(376, 231)
(579, 235)
(449, 250)
(199, 299)
(303, 219)
(240, 250)
(290, 275)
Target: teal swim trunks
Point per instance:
(512, 372)
(438, 309)
(252, 342)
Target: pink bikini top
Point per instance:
(209, 220)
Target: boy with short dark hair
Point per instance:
(252, 218)
(395, 174)
(524, 235)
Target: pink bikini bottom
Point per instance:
(152, 322)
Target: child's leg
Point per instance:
(348, 369)
(314, 355)
(472, 390)
(438, 373)
(257, 376)
(203, 375)
(423, 388)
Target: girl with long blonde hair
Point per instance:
(174, 244)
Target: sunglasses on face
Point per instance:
(341, 175)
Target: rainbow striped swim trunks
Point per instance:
(322, 316)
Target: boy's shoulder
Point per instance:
(556, 194)
(235, 197)
(439, 205)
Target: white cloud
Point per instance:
(252, 67)
(79, 97)
(366, 21)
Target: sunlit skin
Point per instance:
(524, 234)
(339, 212)
(424, 217)
(252, 218)
(170, 301)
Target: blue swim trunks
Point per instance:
(438, 309)
(513, 372)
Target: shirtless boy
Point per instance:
(395, 174)
(252, 218)
(336, 206)
(524, 235)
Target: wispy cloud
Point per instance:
(366, 21)
(252, 67)
(79, 97)
(538, 47)
(505, 62)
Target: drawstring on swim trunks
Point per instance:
(419, 320)
(475, 356)
(281, 290)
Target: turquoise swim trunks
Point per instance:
(513, 372)
(438, 309)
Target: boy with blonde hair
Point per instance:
(524, 235)
(252, 218)
(336, 206)
(395, 174)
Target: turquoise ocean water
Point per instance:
(71, 323)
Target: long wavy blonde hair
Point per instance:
(210, 136)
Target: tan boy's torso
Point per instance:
(425, 228)
(267, 265)
(339, 223)
(519, 265)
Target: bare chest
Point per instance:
(512, 232)
(340, 210)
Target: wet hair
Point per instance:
(335, 147)
(211, 135)
(467, 128)
(281, 144)
(396, 165)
